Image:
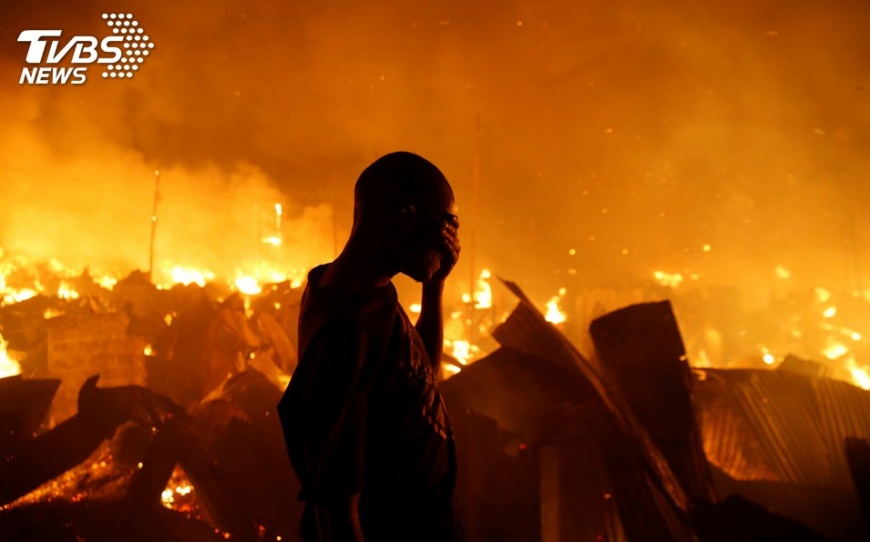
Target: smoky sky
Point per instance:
(634, 132)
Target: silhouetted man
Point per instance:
(365, 426)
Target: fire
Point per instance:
(275, 240)
(168, 495)
(248, 285)
(554, 313)
(179, 493)
(11, 296)
(461, 351)
(106, 281)
(451, 369)
(8, 366)
(67, 292)
(187, 275)
(835, 350)
(860, 374)
(483, 294)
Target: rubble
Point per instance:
(626, 436)
(180, 441)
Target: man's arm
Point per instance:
(430, 324)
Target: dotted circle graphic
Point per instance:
(136, 45)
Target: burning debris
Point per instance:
(183, 424)
(181, 440)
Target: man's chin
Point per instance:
(426, 271)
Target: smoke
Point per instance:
(90, 204)
(635, 133)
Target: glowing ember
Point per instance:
(671, 280)
(167, 497)
(416, 308)
(8, 366)
(822, 295)
(782, 272)
(554, 313)
(830, 312)
(767, 357)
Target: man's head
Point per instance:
(403, 201)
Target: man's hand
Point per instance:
(450, 250)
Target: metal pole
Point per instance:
(475, 186)
(153, 224)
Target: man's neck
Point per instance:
(356, 269)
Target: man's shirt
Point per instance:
(363, 414)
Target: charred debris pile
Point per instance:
(148, 414)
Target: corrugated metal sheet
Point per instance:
(527, 331)
(780, 426)
(539, 400)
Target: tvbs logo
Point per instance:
(121, 53)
